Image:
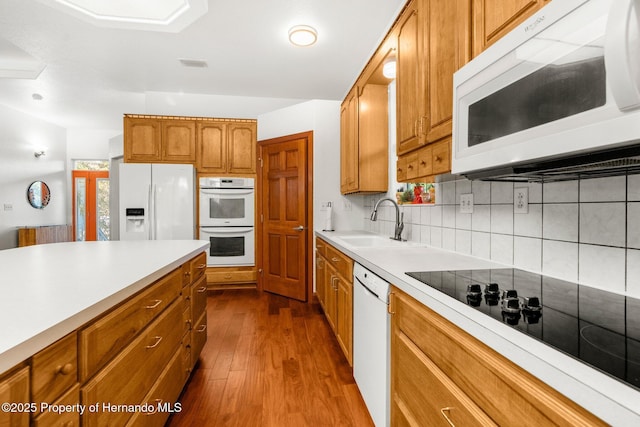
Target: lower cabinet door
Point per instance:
(424, 395)
(198, 338)
(131, 375)
(162, 400)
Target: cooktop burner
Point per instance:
(597, 327)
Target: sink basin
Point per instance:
(370, 241)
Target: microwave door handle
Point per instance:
(621, 54)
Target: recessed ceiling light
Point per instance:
(303, 35)
(37, 97)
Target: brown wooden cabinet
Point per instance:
(439, 372)
(349, 143)
(14, 388)
(433, 42)
(156, 139)
(492, 19)
(334, 288)
(226, 146)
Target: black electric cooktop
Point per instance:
(597, 327)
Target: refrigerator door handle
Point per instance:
(149, 215)
(155, 217)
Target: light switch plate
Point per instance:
(466, 203)
(8, 207)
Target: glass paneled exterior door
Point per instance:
(91, 205)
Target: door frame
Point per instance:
(308, 136)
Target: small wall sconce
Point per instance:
(39, 154)
(389, 68)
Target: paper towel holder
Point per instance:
(328, 225)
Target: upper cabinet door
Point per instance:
(212, 146)
(444, 26)
(242, 147)
(179, 141)
(493, 19)
(142, 140)
(409, 80)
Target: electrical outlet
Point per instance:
(8, 207)
(346, 205)
(324, 206)
(466, 203)
(521, 200)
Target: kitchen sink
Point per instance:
(370, 241)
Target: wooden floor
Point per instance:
(269, 361)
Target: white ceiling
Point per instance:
(94, 74)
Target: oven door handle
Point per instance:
(226, 230)
(226, 191)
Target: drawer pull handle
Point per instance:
(156, 304)
(444, 412)
(201, 266)
(202, 289)
(202, 328)
(334, 259)
(227, 276)
(154, 345)
(65, 369)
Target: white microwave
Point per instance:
(559, 93)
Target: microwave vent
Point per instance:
(614, 162)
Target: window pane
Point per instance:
(81, 214)
(102, 209)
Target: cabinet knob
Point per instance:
(65, 369)
(438, 159)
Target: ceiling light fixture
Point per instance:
(39, 154)
(389, 68)
(303, 35)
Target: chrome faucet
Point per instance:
(397, 235)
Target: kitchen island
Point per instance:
(57, 298)
(614, 401)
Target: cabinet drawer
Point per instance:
(425, 161)
(198, 338)
(342, 263)
(54, 369)
(163, 395)
(412, 165)
(442, 157)
(493, 382)
(66, 419)
(130, 376)
(231, 276)
(199, 298)
(321, 247)
(198, 265)
(103, 339)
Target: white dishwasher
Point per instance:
(371, 341)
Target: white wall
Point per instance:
(323, 118)
(186, 104)
(20, 136)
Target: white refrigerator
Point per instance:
(156, 201)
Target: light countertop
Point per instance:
(615, 402)
(48, 291)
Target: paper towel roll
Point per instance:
(328, 226)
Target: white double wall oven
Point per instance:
(227, 220)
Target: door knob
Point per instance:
(299, 228)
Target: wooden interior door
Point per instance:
(285, 199)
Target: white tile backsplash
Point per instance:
(560, 259)
(560, 221)
(603, 223)
(585, 231)
(602, 267)
(529, 224)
